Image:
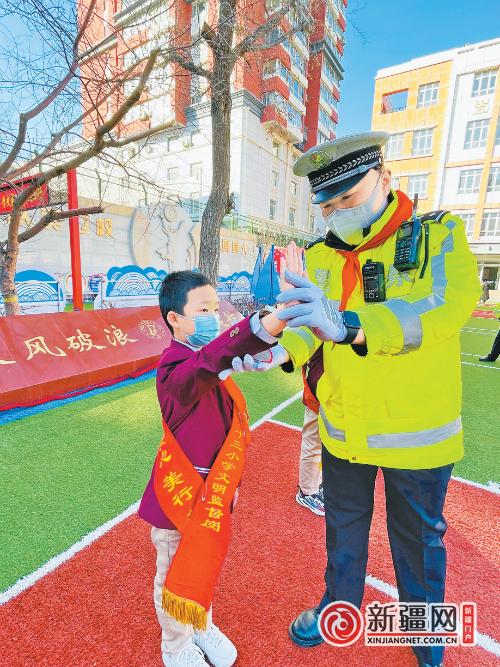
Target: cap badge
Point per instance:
(321, 159)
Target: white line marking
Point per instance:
(491, 487)
(484, 365)
(484, 641)
(479, 331)
(53, 563)
(276, 421)
(275, 410)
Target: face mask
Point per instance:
(206, 329)
(347, 223)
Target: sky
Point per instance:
(382, 33)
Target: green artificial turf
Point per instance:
(68, 470)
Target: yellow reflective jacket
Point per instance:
(399, 405)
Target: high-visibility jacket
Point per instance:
(399, 405)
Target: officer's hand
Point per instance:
(261, 362)
(313, 311)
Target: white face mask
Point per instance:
(347, 223)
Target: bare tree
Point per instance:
(235, 33)
(57, 133)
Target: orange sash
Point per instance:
(351, 272)
(200, 510)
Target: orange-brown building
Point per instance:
(442, 114)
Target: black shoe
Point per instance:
(304, 629)
(487, 358)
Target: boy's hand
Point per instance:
(261, 362)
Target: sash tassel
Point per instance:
(183, 610)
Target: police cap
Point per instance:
(336, 166)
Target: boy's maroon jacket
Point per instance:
(194, 403)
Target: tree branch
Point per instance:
(52, 215)
(250, 40)
(24, 118)
(190, 66)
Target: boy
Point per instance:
(203, 417)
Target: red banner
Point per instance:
(43, 357)
(8, 193)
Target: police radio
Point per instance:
(373, 281)
(408, 242)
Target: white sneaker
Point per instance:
(189, 656)
(217, 647)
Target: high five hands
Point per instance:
(300, 303)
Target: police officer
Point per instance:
(387, 300)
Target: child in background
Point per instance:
(310, 491)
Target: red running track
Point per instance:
(96, 609)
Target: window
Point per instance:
(291, 217)
(484, 83)
(273, 205)
(476, 132)
(469, 181)
(394, 147)
(236, 247)
(196, 170)
(327, 122)
(298, 59)
(322, 138)
(194, 204)
(172, 173)
(494, 179)
(468, 218)
(490, 225)
(275, 178)
(293, 188)
(418, 185)
(395, 182)
(497, 135)
(276, 148)
(397, 101)
(226, 245)
(330, 73)
(422, 142)
(327, 97)
(427, 94)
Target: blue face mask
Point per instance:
(206, 329)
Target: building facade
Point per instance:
(284, 101)
(442, 114)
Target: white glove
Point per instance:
(263, 361)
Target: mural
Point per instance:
(38, 291)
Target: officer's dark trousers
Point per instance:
(415, 523)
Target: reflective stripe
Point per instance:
(439, 280)
(425, 438)
(409, 321)
(307, 337)
(407, 314)
(333, 432)
(202, 470)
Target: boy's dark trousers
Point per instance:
(415, 523)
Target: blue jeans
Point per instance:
(415, 523)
